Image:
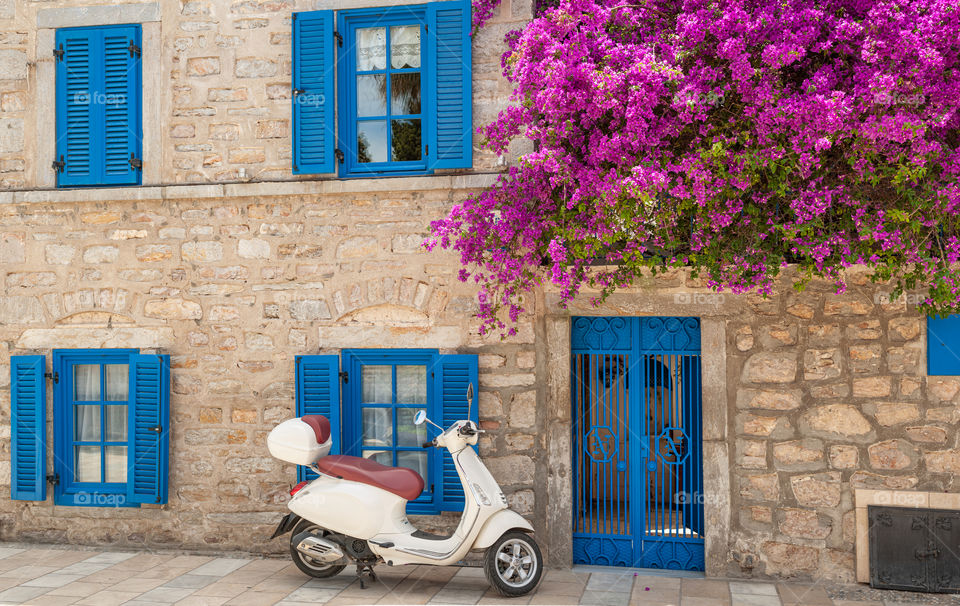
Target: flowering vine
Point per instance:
(733, 138)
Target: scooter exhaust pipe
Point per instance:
(318, 549)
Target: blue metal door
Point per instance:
(637, 458)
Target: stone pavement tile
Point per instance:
(753, 587)
(30, 571)
(108, 598)
(454, 596)
(433, 573)
(566, 576)
(7, 583)
(145, 603)
(18, 595)
(704, 588)
(193, 581)
(51, 600)
(143, 561)
(856, 603)
(79, 589)
(110, 576)
(797, 593)
(700, 601)
(109, 557)
(338, 601)
(620, 582)
(222, 590)
(220, 566)
(640, 594)
(557, 599)
(136, 584)
(163, 572)
(558, 588)
(245, 574)
(605, 598)
(166, 595)
(188, 561)
(755, 599)
(276, 583)
(256, 598)
(6, 552)
(83, 568)
(54, 579)
(412, 591)
(311, 594)
(199, 600)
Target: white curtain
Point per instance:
(405, 46)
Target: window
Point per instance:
(402, 90)
(111, 422)
(382, 390)
(943, 345)
(98, 106)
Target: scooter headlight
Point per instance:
(480, 495)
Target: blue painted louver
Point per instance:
(314, 126)
(943, 345)
(28, 428)
(454, 373)
(149, 429)
(318, 393)
(452, 132)
(98, 100)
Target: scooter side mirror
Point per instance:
(420, 417)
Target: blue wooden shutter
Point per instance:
(454, 373)
(943, 345)
(314, 129)
(75, 119)
(121, 106)
(98, 105)
(451, 139)
(318, 393)
(148, 448)
(28, 429)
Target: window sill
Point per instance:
(240, 190)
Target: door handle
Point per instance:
(156, 428)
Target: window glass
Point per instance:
(87, 463)
(371, 48)
(405, 93)
(411, 384)
(377, 384)
(87, 425)
(116, 464)
(371, 95)
(372, 141)
(378, 427)
(116, 418)
(405, 46)
(409, 434)
(117, 382)
(416, 461)
(86, 382)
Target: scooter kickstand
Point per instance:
(365, 573)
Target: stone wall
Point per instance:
(217, 85)
(233, 282)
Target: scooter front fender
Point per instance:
(499, 523)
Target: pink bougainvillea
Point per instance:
(731, 137)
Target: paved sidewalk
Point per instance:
(48, 576)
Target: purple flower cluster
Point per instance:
(734, 137)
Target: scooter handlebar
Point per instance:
(430, 444)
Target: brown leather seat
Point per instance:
(401, 481)
(320, 425)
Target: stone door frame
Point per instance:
(559, 435)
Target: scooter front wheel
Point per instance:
(308, 565)
(513, 564)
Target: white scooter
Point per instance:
(355, 511)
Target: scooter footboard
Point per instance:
(497, 525)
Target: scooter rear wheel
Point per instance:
(308, 565)
(513, 564)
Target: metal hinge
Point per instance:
(58, 53)
(426, 150)
(134, 49)
(53, 375)
(59, 165)
(339, 154)
(135, 162)
(345, 376)
(54, 478)
(339, 38)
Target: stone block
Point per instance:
(780, 399)
(200, 67)
(837, 421)
(172, 309)
(823, 335)
(844, 456)
(943, 461)
(889, 414)
(768, 367)
(101, 254)
(787, 559)
(805, 524)
(359, 247)
(201, 252)
(511, 469)
(523, 409)
(760, 487)
(927, 433)
(752, 454)
(273, 129)
(866, 479)
(822, 364)
(247, 155)
(309, 310)
(799, 455)
(872, 387)
(864, 330)
(817, 490)
(13, 64)
(892, 455)
(60, 254)
(764, 426)
(255, 67)
(255, 248)
(865, 358)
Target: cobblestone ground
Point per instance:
(45, 576)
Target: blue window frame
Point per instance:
(372, 412)
(402, 88)
(98, 106)
(111, 410)
(943, 345)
